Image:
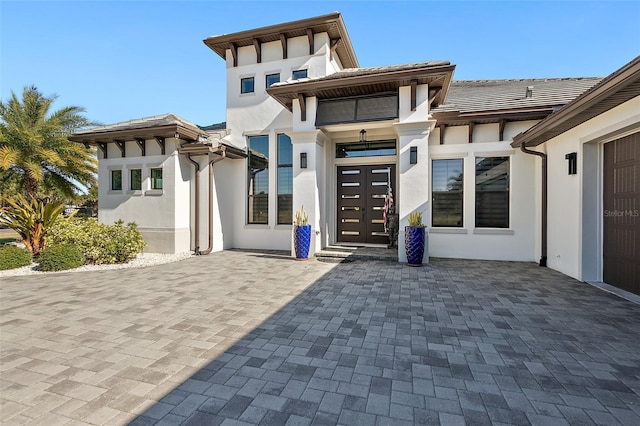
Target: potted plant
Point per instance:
(414, 239)
(301, 234)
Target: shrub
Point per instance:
(31, 219)
(12, 257)
(60, 257)
(100, 243)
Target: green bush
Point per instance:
(12, 257)
(60, 257)
(100, 243)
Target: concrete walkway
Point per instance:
(254, 338)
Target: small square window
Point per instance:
(136, 179)
(272, 79)
(247, 85)
(116, 180)
(298, 74)
(156, 178)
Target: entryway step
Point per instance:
(340, 252)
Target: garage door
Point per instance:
(621, 233)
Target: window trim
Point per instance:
(278, 166)
(111, 189)
(507, 230)
(151, 179)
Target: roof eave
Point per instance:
(166, 131)
(558, 122)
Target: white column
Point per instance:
(307, 182)
(413, 182)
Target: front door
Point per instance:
(621, 233)
(361, 195)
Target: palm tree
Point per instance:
(35, 151)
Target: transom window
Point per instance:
(447, 192)
(298, 74)
(247, 85)
(258, 180)
(492, 192)
(365, 149)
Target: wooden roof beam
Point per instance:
(303, 107)
(283, 41)
(442, 127)
(312, 49)
(142, 143)
(333, 47)
(121, 146)
(471, 126)
(256, 44)
(234, 53)
(414, 91)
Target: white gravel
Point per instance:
(143, 259)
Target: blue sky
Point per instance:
(129, 59)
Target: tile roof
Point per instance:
(489, 95)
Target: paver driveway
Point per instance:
(240, 337)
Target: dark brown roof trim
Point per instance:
(615, 89)
(455, 118)
(109, 136)
(371, 83)
(208, 148)
(331, 24)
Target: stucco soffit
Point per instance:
(415, 128)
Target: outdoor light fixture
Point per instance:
(413, 155)
(573, 162)
(303, 160)
(363, 135)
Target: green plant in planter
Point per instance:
(415, 219)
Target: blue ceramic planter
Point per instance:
(414, 244)
(302, 241)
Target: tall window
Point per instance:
(447, 180)
(258, 179)
(285, 180)
(492, 192)
(298, 74)
(116, 180)
(156, 178)
(272, 79)
(247, 85)
(135, 179)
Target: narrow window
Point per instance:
(258, 179)
(116, 180)
(285, 180)
(448, 181)
(272, 79)
(246, 85)
(156, 178)
(298, 74)
(492, 192)
(136, 179)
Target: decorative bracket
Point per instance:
(160, 141)
(256, 44)
(234, 53)
(142, 143)
(414, 90)
(471, 125)
(283, 41)
(442, 127)
(334, 46)
(312, 50)
(103, 148)
(503, 123)
(122, 147)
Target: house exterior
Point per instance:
(307, 126)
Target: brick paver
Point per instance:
(255, 338)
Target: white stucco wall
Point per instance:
(159, 213)
(571, 196)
